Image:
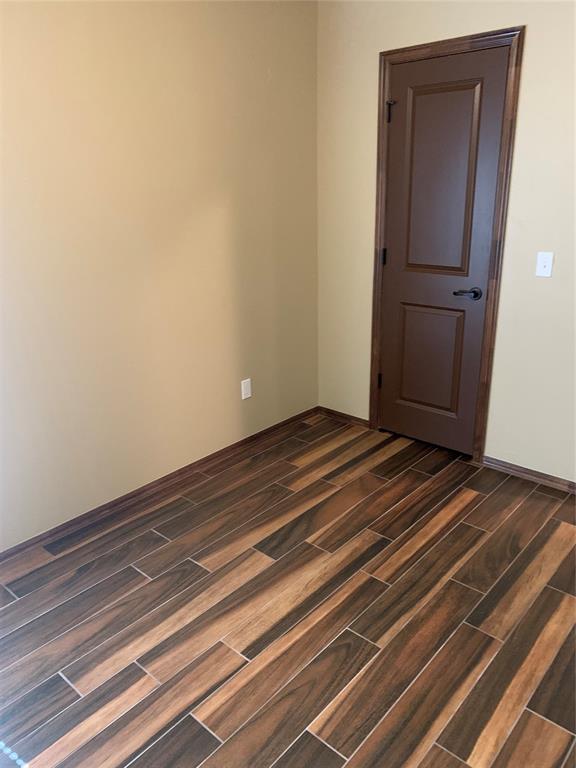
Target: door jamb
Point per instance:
(513, 38)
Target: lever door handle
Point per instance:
(470, 293)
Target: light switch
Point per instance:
(246, 388)
(544, 261)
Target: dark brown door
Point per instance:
(442, 171)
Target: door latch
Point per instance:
(470, 293)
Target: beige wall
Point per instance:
(159, 227)
(159, 241)
(531, 419)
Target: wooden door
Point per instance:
(444, 122)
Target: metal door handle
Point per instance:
(471, 293)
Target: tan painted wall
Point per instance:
(158, 185)
(531, 419)
(159, 238)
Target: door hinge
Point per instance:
(384, 254)
(379, 381)
(389, 104)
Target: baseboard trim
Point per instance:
(342, 416)
(158, 489)
(168, 485)
(530, 474)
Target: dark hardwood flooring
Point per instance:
(323, 596)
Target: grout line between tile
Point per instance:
(467, 585)
(557, 589)
(161, 535)
(206, 727)
(70, 683)
(139, 571)
(147, 672)
(14, 595)
(451, 753)
(315, 735)
(539, 714)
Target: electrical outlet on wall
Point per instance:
(246, 388)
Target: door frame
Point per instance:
(513, 38)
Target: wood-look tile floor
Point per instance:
(324, 596)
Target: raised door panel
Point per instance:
(442, 141)
(431, 355)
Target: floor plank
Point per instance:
(486, 480)
(309, 751)
(352, 715)
(506, 543)
(555, 697)
(65, 616)
(436, 461)
(398, 607)
(312, 523)
(555, 492)
(335, 459)
(279, 722)
(5, 598)
(363, 514)
(13, 567)
(478, 731)
(118, 516)
(257, 613)
(210, 531)
(217, 464)
(241, 697)
(232, 544)
(395, 522)
(567, 511)
(34, 708)
(501, 503)
(386, 617)
(410, 546)
(310, 454)
(570, 761)
(439, 758)
(326, 575)
(169, 655)
(227, 498)
(70, 584)
(408, 731)
(403, 460)
(510, 597)
(186, 745)
(315, 418)
(322, 428)
(93, 549)
(150, 627)
(60, 737)
(370, 458)
(531, 731)
(238, 473)
(565, 576)
(31, 670)
(134, 730)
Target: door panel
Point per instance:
(435, 335)
(441, 181)
(438, 235)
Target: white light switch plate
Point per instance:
(246, 388)
(544, 260)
